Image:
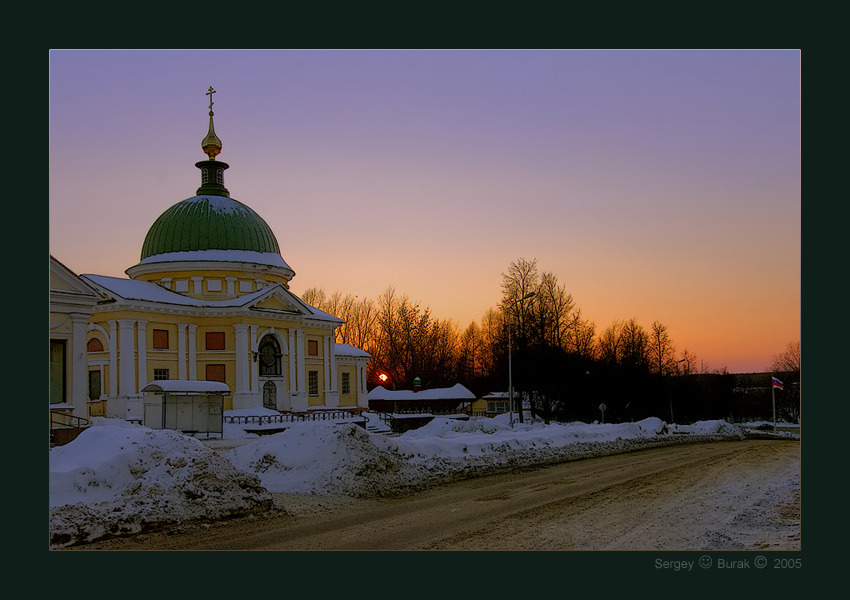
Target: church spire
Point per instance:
(212, 170)
(211, 145)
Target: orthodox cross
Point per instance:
(209, 93)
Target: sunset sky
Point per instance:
(660, 185)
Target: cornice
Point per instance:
(208, 267)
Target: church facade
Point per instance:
(209, 300)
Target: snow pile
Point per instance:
(326, 459)
(118, 478)
(345, 459)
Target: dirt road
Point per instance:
(713, 496)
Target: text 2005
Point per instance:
(787, 563)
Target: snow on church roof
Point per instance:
(349, 350)
(241, 256)
(134, 289)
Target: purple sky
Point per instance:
(660, 185)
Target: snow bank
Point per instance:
(116, 478)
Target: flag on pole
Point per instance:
(777, 384)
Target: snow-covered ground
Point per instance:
(121, 478)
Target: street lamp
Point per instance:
(510, 369)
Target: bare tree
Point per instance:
(688, 363)
(787, 361)
(662, 354)
(635, 344)
(582, 337)
(610, 343)
(518, 283)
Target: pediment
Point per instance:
(62, 279)
(277, 302)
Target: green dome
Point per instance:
(208, 222)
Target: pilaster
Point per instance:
(193, 351)
(142, 352)
(181, 351)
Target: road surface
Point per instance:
(709, 496)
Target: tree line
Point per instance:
(561, 365)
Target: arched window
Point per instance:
(270, 395)
(94, 345)
(270, 357)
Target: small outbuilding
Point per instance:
(410, 409)
(188, 406)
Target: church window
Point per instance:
(346, 383)
(215, 340)
(94, 345)
(160, 374)
(215, 373)
(313, 383)
(270, 357)
(312, 347)
(94, 385)
(57, 371)
(205, 176)
(160, 339)
(219, 176)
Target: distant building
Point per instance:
(496, 403)
(408, 409)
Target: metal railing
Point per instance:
(318, 415)
(62, 420)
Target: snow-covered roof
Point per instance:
(456, 392)
(134, 289)
(243, 256)
(349, 350)
(185, 386)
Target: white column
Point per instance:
(193, 354)
(113, 359)
(79, 366)
(331, 386)
(196, 281)
(242, 357)
(327, 362)
(255, 373)
(143, 354)
(231, 281)
(126, 357)
(293, 377)
(301, 365)
(300, 396)
(181, 351)
(362, 395)
(334, 372)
